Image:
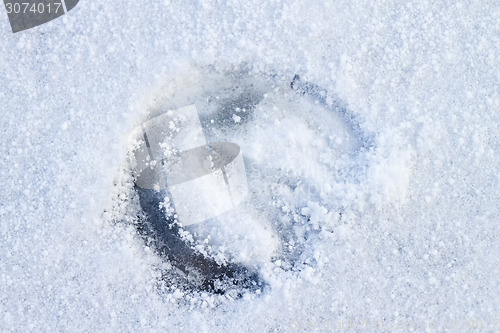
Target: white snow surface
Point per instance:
(402, 226)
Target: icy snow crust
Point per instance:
(236, 106)
(374, 196)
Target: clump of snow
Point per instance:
(236, 118)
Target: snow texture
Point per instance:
(374, 196)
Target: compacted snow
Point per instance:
(371, 137)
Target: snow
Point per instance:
(381, 212)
